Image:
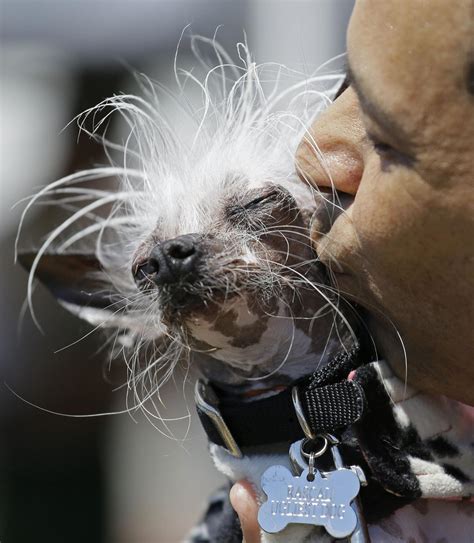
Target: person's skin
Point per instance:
(400, 140)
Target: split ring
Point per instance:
(314, 454)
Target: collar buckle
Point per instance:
(207, 404)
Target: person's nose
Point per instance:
(331, 154)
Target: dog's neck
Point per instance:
(275, 351)
(295, 363)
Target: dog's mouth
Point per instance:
(188, 275)
(178, 301)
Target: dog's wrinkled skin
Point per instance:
(246, 313)
(257, 311)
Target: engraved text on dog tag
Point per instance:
(324, 501)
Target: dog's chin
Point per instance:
(180, 305)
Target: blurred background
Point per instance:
(111, 479)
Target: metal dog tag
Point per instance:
(309, 499)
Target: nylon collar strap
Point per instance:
(328, 401)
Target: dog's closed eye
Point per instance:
(261, 199)
(260, 208)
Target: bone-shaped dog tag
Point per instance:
(323, 501)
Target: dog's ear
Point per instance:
(79, 283)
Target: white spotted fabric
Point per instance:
(446, 427)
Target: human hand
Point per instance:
(243, 500)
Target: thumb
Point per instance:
(242, 499)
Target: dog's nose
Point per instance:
(171, 261)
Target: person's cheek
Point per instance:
(381, 239)
(385, 210)
(360, 239)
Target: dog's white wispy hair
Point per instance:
(248, 124)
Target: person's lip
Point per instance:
(333, 205)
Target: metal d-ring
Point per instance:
(314, 454)
(300, 414)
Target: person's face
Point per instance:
(400, 141)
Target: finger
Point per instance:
(242, 498)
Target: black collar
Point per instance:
(326, 401)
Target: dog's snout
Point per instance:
(181, 251)
(171, 261)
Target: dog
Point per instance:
(203, 253)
